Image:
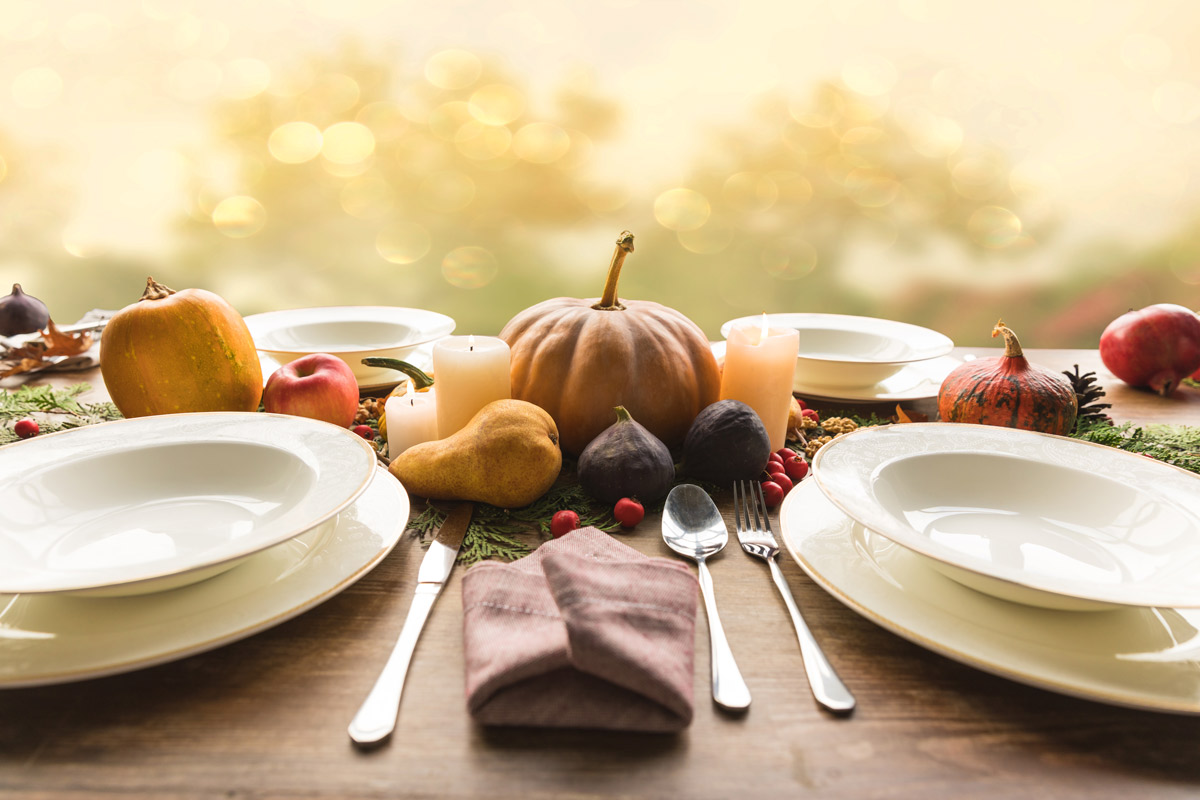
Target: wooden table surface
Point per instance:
(266, 717)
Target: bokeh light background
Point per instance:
(942, 162)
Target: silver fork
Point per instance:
(754, 533)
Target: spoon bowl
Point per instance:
(693, 527)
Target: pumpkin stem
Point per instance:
(419, 377)
(609, 302)
(155, 291)
(1012, 346)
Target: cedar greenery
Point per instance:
(57, 409)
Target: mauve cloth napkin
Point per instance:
(585, 632)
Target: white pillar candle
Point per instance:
(759, 365)
(470, 372)
(411, 419)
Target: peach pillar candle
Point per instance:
(759, 365)
(411, 419)
(470, 372)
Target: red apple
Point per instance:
(317, 386)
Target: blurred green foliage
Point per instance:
(474, 203)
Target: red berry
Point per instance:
(810, 413)
(776, 468)
(803, 405)
(26, 428)
(776, 457)
(796, 467)
(365, 431)
(563, 522)
(772, 493)
(629, 512)
(783, 453)
(784, 482)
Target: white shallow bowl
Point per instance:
(148, 504)
(57, 638)
(351, 333)
(1139, 657)
(1043, 520)
(838, 350)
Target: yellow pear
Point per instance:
(507, 456)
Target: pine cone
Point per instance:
(1088, 394)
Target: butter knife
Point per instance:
(376, 719)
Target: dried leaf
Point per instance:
(22, 365)
(65, 344)
(909, 416)
(53, 343)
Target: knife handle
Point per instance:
(376, 719)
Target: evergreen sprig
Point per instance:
(1174, 444)
(54, 409)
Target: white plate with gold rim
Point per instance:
(1138, 657)
(147, 504)
(1048, 520)
(351, 333)
(841, 351)
(47, 639)
(917, 381)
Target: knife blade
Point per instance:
(376, 719)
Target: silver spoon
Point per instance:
(693, 527)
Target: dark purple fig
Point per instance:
(727, 442)
(22, 313)
(626, 460)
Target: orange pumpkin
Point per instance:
(179, 351)
(578, 359)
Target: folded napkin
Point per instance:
(585, 632)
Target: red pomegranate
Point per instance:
(1155, 347)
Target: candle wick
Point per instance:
(471, 348)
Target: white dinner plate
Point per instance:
(840, 351)
(1039, 517)
(1138, 657)
(351, 333)
(47, 639)
(918, 381)
(146, 504)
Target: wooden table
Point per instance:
(266, 717)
